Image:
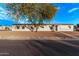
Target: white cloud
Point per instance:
(58, 7)
(20, 21)
(3, 14)
(72, 10)
(2, 9)
(23, 21)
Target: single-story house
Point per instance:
(43, 27)
(4, 28)
(65, 27)
(29, 27)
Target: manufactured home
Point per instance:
(4, 28)
(43, 27)
(65, 27)
(30, 27)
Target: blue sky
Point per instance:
(4, 19)
(67, 13)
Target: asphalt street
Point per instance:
(39, 48)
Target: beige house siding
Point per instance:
(56, 27)
(14, 28)
(65, 28)
(2, 27)
(5, 28)
(46, 28)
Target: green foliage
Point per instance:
(36, 13)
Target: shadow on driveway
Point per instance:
(38, 48)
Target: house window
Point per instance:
(51, 27)
(17, 27)
(69, 27)
(23, 27)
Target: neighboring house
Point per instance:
(43, 27)
(65, 27)
(77, 27)
(4, 28)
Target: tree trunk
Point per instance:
(36, 29)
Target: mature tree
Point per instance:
(36, 13)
